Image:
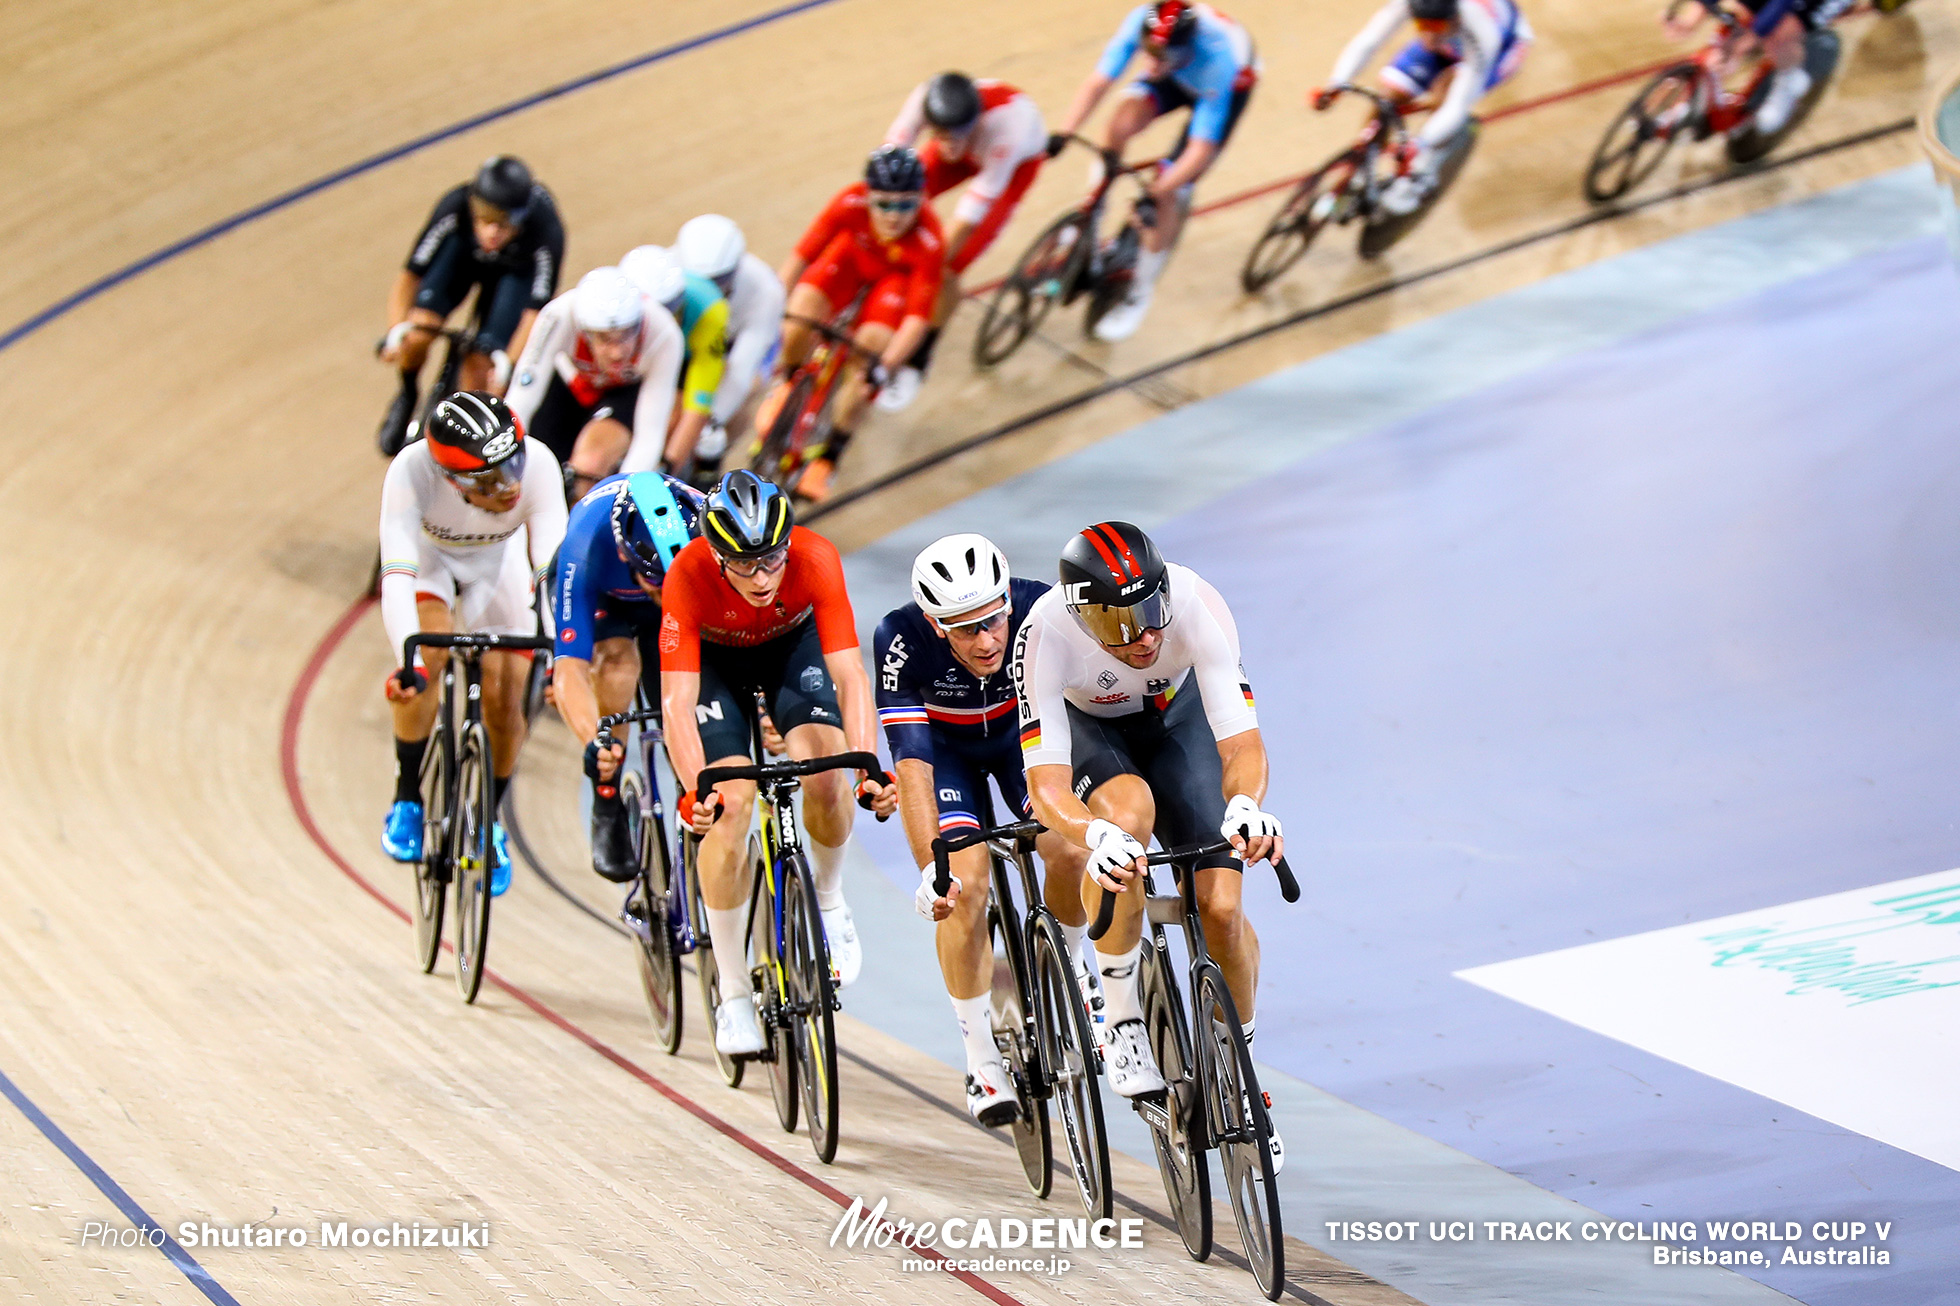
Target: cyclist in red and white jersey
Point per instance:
(981, 129)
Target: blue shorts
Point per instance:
(1416, 69)
(959, 774)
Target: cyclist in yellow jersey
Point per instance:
(702, 312)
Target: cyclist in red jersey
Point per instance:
(757, 603)
(874, 236)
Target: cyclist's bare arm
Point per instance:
(1244, 758)
(1187, 168)
(680, 691)
(905, 342)
(918, 807)
(1055, 804)
(577, 699)
(1087, 96)
(791, 270)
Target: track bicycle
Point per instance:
(795, 994)
(661, 909)
(1212, 1099)
(800, 422)
(457, 343)
(1349, 187)
(458, 787)
(1068, 261)
(1041, 1021)
(1690, 99)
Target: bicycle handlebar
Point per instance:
(607, 724)
(833, 333)
(942, 847)
(711, 776)
(1728, 22)
(436, 639)
(1289, 888)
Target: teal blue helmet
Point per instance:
(653, 518)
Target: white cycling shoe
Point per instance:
(1786, 88)
(1121, 322)
(1126, 1056)
(1405, 195)
(990, 1094)
(737, 1032)
(846, 956)
(901, 390)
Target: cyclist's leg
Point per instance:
(604, 440)
(966, 955)
(414, 719)
(803, 704)
(444, 286)
(883, 309)
(722, 713)
(502, 300)
(1141, 103)
(559, 419)
(615, 670)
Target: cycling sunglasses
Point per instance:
(491, 480)
(905, 204)
(749, 568)
(1122, 627)
(993, 622)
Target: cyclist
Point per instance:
(758, 603)
(946, 702)
(452, 505)
(1136, 718)
(875, 237)
(988, 131)
(714, 247)
(1469, 47)
(619, 542)
(1778, 28)
(1198, 60)
(499, 233)
(701, 312)
(598, 379)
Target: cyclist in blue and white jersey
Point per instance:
(1198, 59)
(605, 603)
(1469, 46)
(946, 701)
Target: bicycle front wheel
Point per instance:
(433, 871)
(811, 999)
(773, 1004)
(476, 814)
(1032, 1141)
(660, 964)
(1180, 1146)
(1038, 282)
(1639, 138)
(1242, 1129)
(1292, 229)
(706, 976)
(1069, 1057)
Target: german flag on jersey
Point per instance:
(1246, 689)
(1030, 736)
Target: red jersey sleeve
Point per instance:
(823, 574)
(928, 266)
(826, 226)
(680, 607)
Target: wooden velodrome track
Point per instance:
(206, 1003)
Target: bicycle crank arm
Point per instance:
(1151, 1106)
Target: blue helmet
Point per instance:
(651, 523)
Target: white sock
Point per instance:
(1247, 1027)
(1119, 981)
(827, 869)
(1076, 935)
(1150, 266)
(725, 926)
(976, 1029)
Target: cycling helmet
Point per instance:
(1433, 11)
(606, 299)
(958, 573)
(746, 517)
(650, 523)
(952, 102)
(654, 271)
(471, 435)
(503, 182)
(1115, 583)
(710, 246)
(894, 168)
(1170, 23)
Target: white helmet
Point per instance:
(710, 246)
(653, 269)
(606, 299)
(958, 573)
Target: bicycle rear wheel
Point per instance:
(706, 976)
(433, 871)
(772, 458)
(1639, 138)
(475, 815)
(1242, 1130)
(660, 964)
(1291, 231)
(1040, 280)
(1069, 1061)
(1181, 1148)
(1032, 1142)
(811, 999)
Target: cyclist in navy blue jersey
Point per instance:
(946, 701)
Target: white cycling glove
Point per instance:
(499, 368)
(713, 442)
(396, 334)
(1242, 816)
(1110, 848)
(924, 897)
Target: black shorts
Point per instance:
(1169, 95)
(560, 416)
(1173, 751)
(639, 621)
(501, 295)
(794, 681)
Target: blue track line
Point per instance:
(137, 1216)
(62, 307)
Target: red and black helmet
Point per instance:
(471, 434)
(1170, 23)
(1116, 583)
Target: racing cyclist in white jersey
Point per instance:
(1469, 46)
(713, 247)
(1136, 718)
(452, 507)
(599, 378)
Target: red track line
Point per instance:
(1509, 110)
(295, 792)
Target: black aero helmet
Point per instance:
(503, 182)
(1115, 583)
(894, 168)
(472, 434)
(1433, 11)
(1170, 23)
(952, 102)
(746, 517)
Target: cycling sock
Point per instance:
(835, 446)
(827, 869)
(498, 784)
(1150, 266)
(922, 356)
(976, 1029)
(1075, 934)
(1247, 1027)
(725, 925)
(1119, 981)
(408, 769)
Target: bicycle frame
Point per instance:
(653, 815)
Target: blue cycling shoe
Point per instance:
(499, 873)
(401, 833)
